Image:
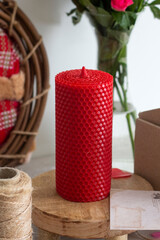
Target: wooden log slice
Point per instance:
(78, 220)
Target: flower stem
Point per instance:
(119, 94)
(130, 131)
(125, 107)
(134, 116)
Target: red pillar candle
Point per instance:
(84, 107)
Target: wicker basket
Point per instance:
(35, 66)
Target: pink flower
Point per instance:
(121, 5)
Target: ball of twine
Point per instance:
(15, 205)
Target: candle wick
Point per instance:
(83, 73)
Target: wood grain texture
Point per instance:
(78, 220)
(124, 237)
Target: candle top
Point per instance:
(83, 77)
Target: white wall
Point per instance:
(71, 47)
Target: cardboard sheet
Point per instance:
(134, 210)
(147, 147)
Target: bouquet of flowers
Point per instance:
(113, 21)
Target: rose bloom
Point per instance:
(121, 5)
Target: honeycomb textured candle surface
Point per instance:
(84, 108)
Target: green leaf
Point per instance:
(76, 19)
(122, 37)
(77, 15)
(95, 2)
(141, 5)
(103, 17)
(89, 6)
(155, 11)
(78, 5)
(71, 12)
(102, 11)
(125, 19)
(156, 2)
(137, 6)
(125, 23)
(132, 17)
(100, 15)
(99, 3)
(122, 55)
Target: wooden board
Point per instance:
(78, 220)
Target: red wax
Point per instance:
(84, 108)
(117, 173)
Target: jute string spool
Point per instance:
(15, 205)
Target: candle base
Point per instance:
(85, 199)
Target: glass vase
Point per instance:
(112, 58)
